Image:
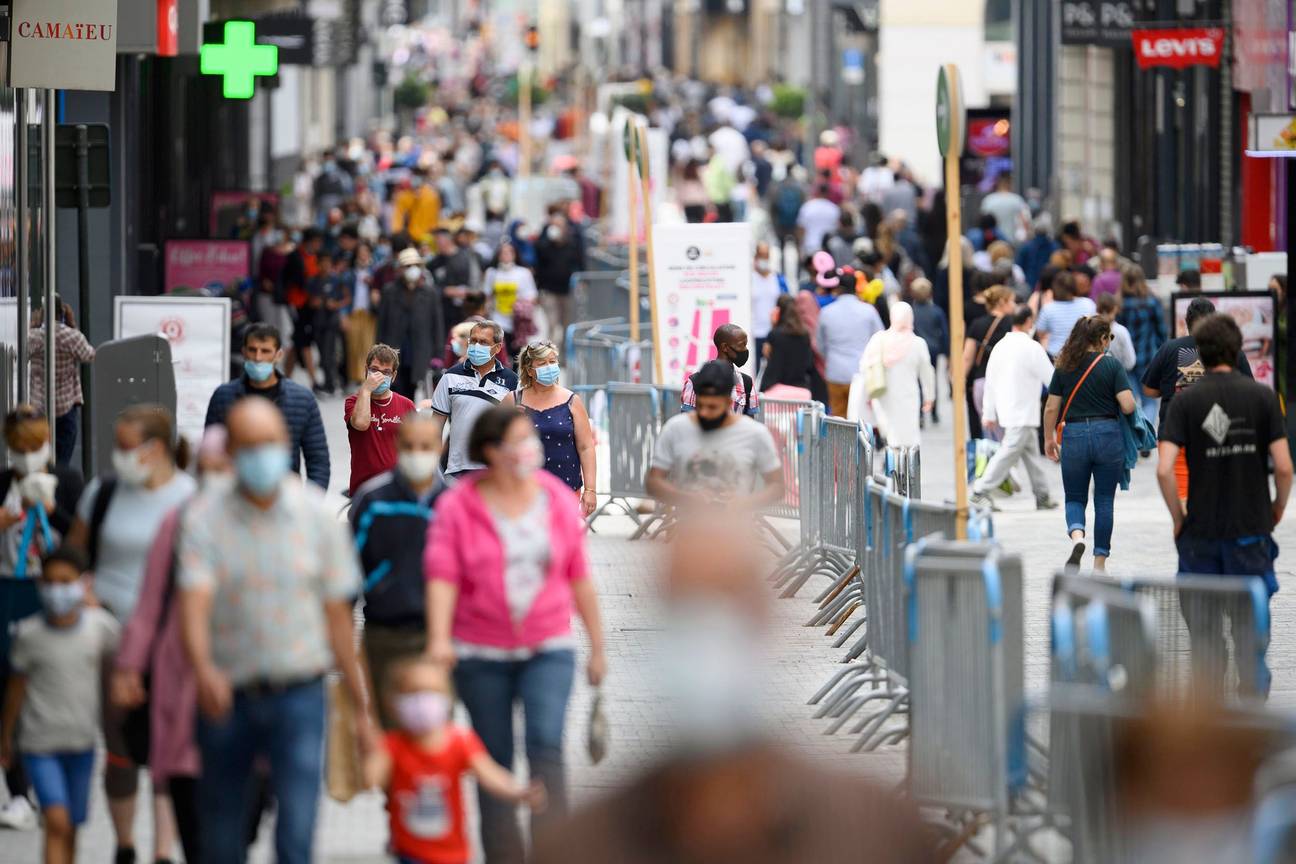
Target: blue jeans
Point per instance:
(489, 689)
(287, 728)
(1241, 556)
(1092, 450)
(61, 780)
(66, 428)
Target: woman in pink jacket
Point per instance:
(505, 563)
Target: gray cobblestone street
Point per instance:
(626, 578)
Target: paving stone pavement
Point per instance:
(802, 658)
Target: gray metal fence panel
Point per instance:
(780, 418)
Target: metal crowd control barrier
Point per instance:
(780, 418)
(1195, 650)
(633, 412)
(606, 294)
(599, 352)
(903, 467)
(1102, 635)
(967, 740)
(670, 402)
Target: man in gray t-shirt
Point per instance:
(714, 454)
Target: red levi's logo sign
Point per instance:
(1179, 49)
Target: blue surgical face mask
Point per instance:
(61, 598)
(547, 374)
(478, 355)
(258, 372)
(383, 387)
(260, 469)
(457, 347)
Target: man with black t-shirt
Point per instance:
(1228, 427)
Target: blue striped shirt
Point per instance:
(1059, 318)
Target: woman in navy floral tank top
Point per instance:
(561, 420)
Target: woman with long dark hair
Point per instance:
(1087, 395)
(789, 354)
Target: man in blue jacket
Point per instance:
(262, 350)
(389, 517)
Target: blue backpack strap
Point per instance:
(35, 516)
(365, 523)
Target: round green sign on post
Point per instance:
(640, 158)
(951, 120)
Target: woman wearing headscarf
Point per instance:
(894, 365)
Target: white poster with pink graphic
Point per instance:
(703, 277)
(198, 329)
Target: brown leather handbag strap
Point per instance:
(1076, 389)
(985, 340)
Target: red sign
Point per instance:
(989, 136)
(168, 28)
(1179, 49)
(203, 264)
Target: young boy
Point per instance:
(54, 692)
(421, 768)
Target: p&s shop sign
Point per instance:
(62, 44)
(1179, 49)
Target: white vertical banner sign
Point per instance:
(703, 276)
(198, 329)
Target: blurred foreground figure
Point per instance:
(729, 792)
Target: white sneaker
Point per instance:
(18, 814)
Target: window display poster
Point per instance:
(1254, 311)
(703, 277)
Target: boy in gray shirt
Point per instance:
(53, 697)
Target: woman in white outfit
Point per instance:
(905, 363)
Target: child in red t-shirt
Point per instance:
(421, 768)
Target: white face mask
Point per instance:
(525, 459)
(30, 463)
(128, 466)
(554, 233)
(216, 482)
(418, 466)
(412, 273)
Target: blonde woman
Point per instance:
(560, 419)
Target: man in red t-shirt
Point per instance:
(373, 417)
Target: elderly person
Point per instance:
(506, 565)
(560, 419)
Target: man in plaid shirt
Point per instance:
(71, 349)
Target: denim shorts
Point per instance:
(62, 780)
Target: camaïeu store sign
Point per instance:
(62, 44)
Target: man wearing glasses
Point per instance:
(469, 388)
(373, 417)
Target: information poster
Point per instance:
(198, 329)
(1254, 313)
(206, 265)
(703, 276)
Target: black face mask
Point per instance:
(740, 357)
(710, 424)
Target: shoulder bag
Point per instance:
(1057, 431)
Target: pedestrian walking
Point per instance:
(455, 271)
(71, 351)
(982, 337)
(267, 579)
(767, 287)
(506, 566)
(327, 295)
(262, 351)
(1055, 320)
(789, 353)
(730, 342)
(894, 374)
(1230, 429)
(931, 324)
(1015, 375)
(560, 254)
(1142, 315)
(1122, 346)
(37, 507)
(845, 327)
(117, 519)
(389, 516)
(468, 390)
(373, 416)
(151, 671)
(1086, 396)
(506, 284)
(360, 324)
(715, 454)
(1011, 213)
(1034, 254)
(411, 319)
(301, 266)
(817, 218)
(53, 697)
(561, 421)
(421, 763)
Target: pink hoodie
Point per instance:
(464, 550)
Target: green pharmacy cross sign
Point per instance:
(239, 60)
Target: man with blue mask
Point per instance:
(468, 389)
(262, 350)
(267, 579)
(373, 417)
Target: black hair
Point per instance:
(490, 427)
(66, 553)
(1021, 315)
(350, 231)
(1189, 278)
(1072, 230)
(260, 332)
(726, 334)
(988, 222)
(310, 234)
(1219, 340)
(1084, 270)
(1047, 273)
(1198, 309)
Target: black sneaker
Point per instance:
(125, 855)
(1077, 552)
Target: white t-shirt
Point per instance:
(504, 286)
(128, 529)
(818, 218)
(765, 294)
(732, 460)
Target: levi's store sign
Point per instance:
(1179, 49)
(63, 44)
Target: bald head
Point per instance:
(254, 421)
(419, 432)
